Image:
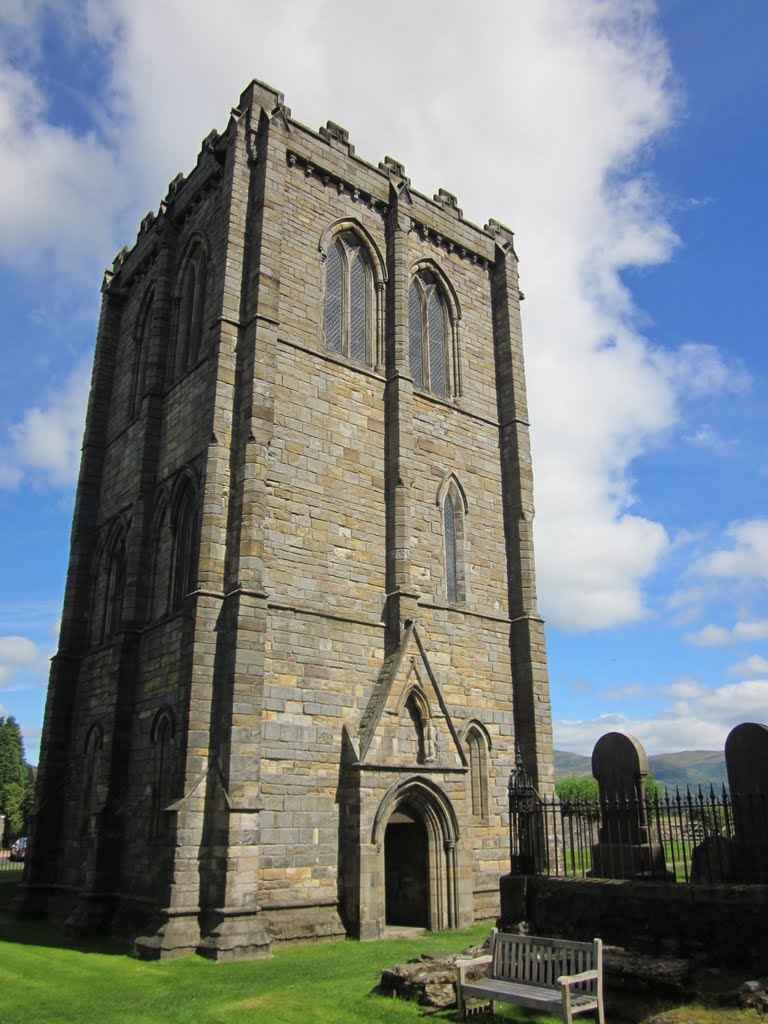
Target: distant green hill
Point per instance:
(687, 768)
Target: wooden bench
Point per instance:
(555, 976)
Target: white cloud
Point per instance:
(746, 558)
(632, 692)
(17, 653)
(702, 721)
(752, 667)
(684, 687)
(45, 442)
(700, 370)
(60, 190)
(720, 636)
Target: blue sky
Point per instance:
(624, 142)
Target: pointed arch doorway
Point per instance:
(414, 870)
(405, 869)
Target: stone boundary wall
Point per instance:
(721, 924)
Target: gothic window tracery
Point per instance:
(428, 333)
(349, 305)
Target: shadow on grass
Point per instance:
(45, 933)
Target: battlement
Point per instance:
(328, 154)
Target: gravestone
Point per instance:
(746, 761)
(624, 849)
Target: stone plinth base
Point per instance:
(628, 860)
(235, 935)
(178, 934)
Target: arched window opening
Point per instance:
(141, 340)
(451, 498)
(185, 547)
(428, 332)
(449, 520)
(416, 717)
(191, 310)
(115, 589)
(349, 307)
(478, 771)
(163, 736)
(162, 559)
(91, 775)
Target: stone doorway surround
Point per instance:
(448, 897)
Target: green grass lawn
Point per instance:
(44, 980)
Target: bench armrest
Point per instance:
(566, 980)
(462, 966)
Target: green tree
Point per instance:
(584, 787)
(14, 778)
(577, 788)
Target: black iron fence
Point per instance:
(699, 836)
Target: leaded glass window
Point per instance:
(415, 330)
(428, 335)
(348, 300)
(453, 508)
(449, 520)
(334, 290)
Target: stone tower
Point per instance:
(300, 642)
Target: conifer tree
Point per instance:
(14, 778)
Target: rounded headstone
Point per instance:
(618, 763)
(746, 758)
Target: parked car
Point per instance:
(19, 849)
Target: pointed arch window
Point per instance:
(349, 305)
(115, 588)
(428, 333)
(140, 357)
(163, 738)
(477, 748)
(449, 520)
(191, 309)
(91, 774)
(185, 546)
(454, 543)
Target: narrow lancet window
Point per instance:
(115, 589)
(185, 548)
(449, 521)
(163, 738)
(140, 357)
(191, 310)
(478, 771)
